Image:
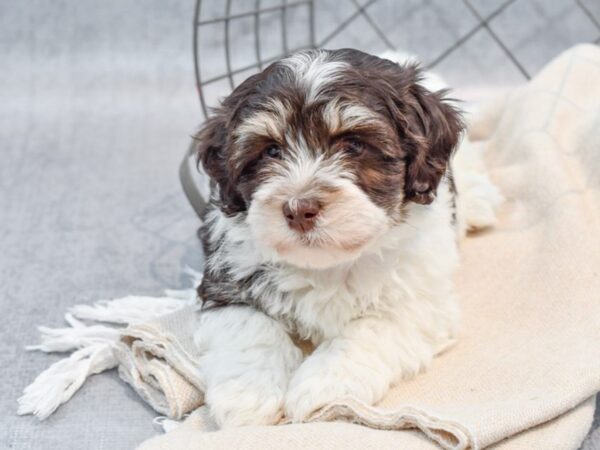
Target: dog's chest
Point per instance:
(318, 304)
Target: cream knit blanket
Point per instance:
(527, 363)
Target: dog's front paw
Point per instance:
(314, 387)
(236, 403)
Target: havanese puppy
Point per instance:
(334, 218)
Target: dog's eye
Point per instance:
(354, 147)
(272, 151)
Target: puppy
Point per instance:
(333, 219)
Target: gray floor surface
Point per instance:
(97, 103)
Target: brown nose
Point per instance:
(301, 215)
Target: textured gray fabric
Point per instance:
(97, 106)
(97, 102)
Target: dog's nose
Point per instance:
(301, 215)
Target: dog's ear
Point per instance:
(214, 141)
(212, 154)
(429, 129)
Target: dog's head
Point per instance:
(322, 151)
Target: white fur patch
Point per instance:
(270, 122)
(313, 72)
(340, 117)
(247, 360)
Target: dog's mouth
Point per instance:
(315, 240)
(316, 249)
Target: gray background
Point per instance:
(97, 103)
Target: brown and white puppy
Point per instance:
(333, 219)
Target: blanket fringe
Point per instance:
(77, 336)
(130, 310)
(61, 380)
(92, 345)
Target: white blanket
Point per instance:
(527, 363)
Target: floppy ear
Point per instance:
(211, 148)
(213, 143)
(430, 128)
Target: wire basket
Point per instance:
(234, 39)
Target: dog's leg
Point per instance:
(477, 197)
(368, 357)
(247, 362)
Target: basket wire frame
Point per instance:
(283, 9)
(260, 62)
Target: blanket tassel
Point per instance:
(91, 345)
